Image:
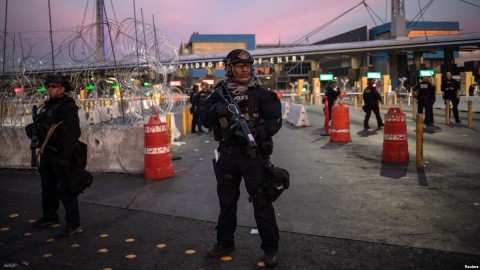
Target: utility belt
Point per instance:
(232, 150)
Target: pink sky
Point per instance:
(267, 19)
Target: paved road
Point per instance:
(345, 209)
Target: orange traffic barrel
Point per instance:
(340, 131)
(158, 160)
(395, 144)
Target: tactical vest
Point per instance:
(250, 108)
(46, 117)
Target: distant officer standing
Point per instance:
(450, 88)
(371, 98)
(331, 94)
(425, 93)
(55, 161)
(262, 111)
(198, 104)
(194, 109)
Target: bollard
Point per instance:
(184, 120)
(355, 102)
(389, 102)
(401, 103)
(327, 123)
(395, 144)
(340, 124)
(380, 107)
(395, 98)
(168, 118)
(419, 145)
(447, 112)
(469, 114)
(414, 109)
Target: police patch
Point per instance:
(244, 55)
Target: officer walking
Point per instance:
(262, 111)
(450, 88)
(425, 94)
(371, 98)
(55, 161)
(331, 94)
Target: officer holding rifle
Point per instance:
(244, 116)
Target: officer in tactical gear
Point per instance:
(262, 111)
(58, 111)
(450, 88)
(331, 94)
(371, 98)
(197, 104)
(425, 94)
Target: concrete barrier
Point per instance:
(462, 105)
(110, 148)
(298, 116)
(285, 109)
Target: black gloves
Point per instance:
(221, 109)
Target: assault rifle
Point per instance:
(34, 144)
(239, 119)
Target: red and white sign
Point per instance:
(18, 89)
(175, 83)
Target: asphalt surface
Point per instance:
(345, 209)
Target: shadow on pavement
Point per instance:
(394, 170)
(422, 178)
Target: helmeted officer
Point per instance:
(425, 94)
(262, 111)
(55, 161)
(450, 88)
(371, 98)
(331, 94)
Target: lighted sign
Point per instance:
(326, 77)
(147, 84)
(90, 87)
(210, 82)
(427, 72)
(41, 89)
(18, 89)
(175, 83)
(115, 86)
(374, 75)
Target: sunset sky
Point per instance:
(269, 20)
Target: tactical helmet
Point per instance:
(234, 57)
(238, 56)
(60, 79)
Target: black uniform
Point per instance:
(426, 97)
(54, 162)
(371, 98)
(262, 110)
(197, 105)
(331, 95)
(450, 89)
(193, 96)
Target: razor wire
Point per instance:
(112, 85)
